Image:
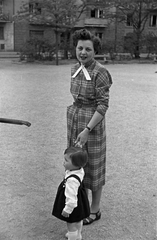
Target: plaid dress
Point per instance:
(94, 96)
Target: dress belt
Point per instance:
(81, 105)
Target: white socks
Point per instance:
(77, 234)
(73, 235)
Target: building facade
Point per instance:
(94, 19)
(6, 25)
(13, 34)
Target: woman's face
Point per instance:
(84, 51)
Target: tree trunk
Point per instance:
(66, 43)
(137, 52)
(137, 45)
(116, 28)
(57, 42)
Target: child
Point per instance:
(71, 203)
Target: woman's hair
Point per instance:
(77, 155)
(84, 34)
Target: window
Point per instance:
(34, 8)
(100, 13)
(36, 33)
(129, 19)
(65, 37)
(1, 33)
(1, 6)
(93, 13)
(97, 13)
(2, 46)
(99, 34)
(153, 21)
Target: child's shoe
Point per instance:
(79, 237)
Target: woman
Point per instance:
(90, 83)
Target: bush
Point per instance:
(37, 48)
(150, 41)
(130, 43)
(109, 47)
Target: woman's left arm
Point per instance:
(103, 83)
(82, 138)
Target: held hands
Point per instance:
(65, 214)
(82, 138)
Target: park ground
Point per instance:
(31, 157)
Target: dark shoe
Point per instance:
(90, 220)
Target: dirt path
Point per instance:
(31, 158)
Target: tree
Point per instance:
(37, 48)
(134, 13)
(60, 15)
(151, 43)
(129, 43)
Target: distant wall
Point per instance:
(22, 33)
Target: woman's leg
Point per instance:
(96, 198)
(95, 213)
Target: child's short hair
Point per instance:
(77, 155)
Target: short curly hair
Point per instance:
(84, 34)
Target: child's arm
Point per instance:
(71, 190)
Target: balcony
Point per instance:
(4, 18)
(95, 22)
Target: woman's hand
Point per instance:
(82, 138)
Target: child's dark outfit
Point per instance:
(71, 196)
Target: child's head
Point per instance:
(75, 158)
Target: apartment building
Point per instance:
(6, 25)
(14, 34)
(94, 19)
